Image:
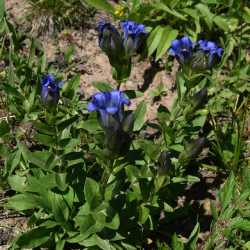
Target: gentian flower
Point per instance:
(182, 49)
(211, 49)
(110, 106)
(109, 38)
(110, 41)
(50, 90)
(133, 36)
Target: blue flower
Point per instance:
(133, 36)
(109, 38)
(211, 49)
(131, 28)
(50, 90)
(110, 106)
(182, 49)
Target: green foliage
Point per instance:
(224, 21)
(79, 193)
(101, 4)
(49, 16)
(231, 220)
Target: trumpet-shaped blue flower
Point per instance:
(110, 106)
(211, 49)
(182, 49)
(109, 38)
(134, 33)
(50, 90)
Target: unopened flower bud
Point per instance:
(192, 150)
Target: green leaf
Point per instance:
(192, 240)
(91, 192)
(86, 223)
(246, 14)
(17, 183)
(227, 192)
(101, 5)
(128, 123)
(4, 151)
(2, 9)
(149, 148)
(139, 116)
(144, 213)
(91, 125)
(102, 86)
(22, 202)
(168, 208)
(177, 243)
(230, 44)
(60, 245)
(70, 87)
(114, 224)
(154, 39)
(67, 122)
(60, 179)
(132, 94)
(44, 128)
(221, 23)
(128, 247)
(191, 12)
(213, 210)
(12, 91)
(247, 246)
(45, 139)
(95, 240)
(188, 178)
(164, 7)
(38, 158)
(4, 128)
(59, 207)
(34, 238)
(49, 224)
(12, 162)
(206, 13)
(241, 224)
(167, 37)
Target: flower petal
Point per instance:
(186, 42)
(91, 107)
(115, 98)
(112, 110)
(99, 100)
(175, 44)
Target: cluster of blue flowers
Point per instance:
(133, 36)
(111, 41)
(211, 49)
(116, 124)
(182, 49)
(120, 47)
(185, 50)
(109, 104)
